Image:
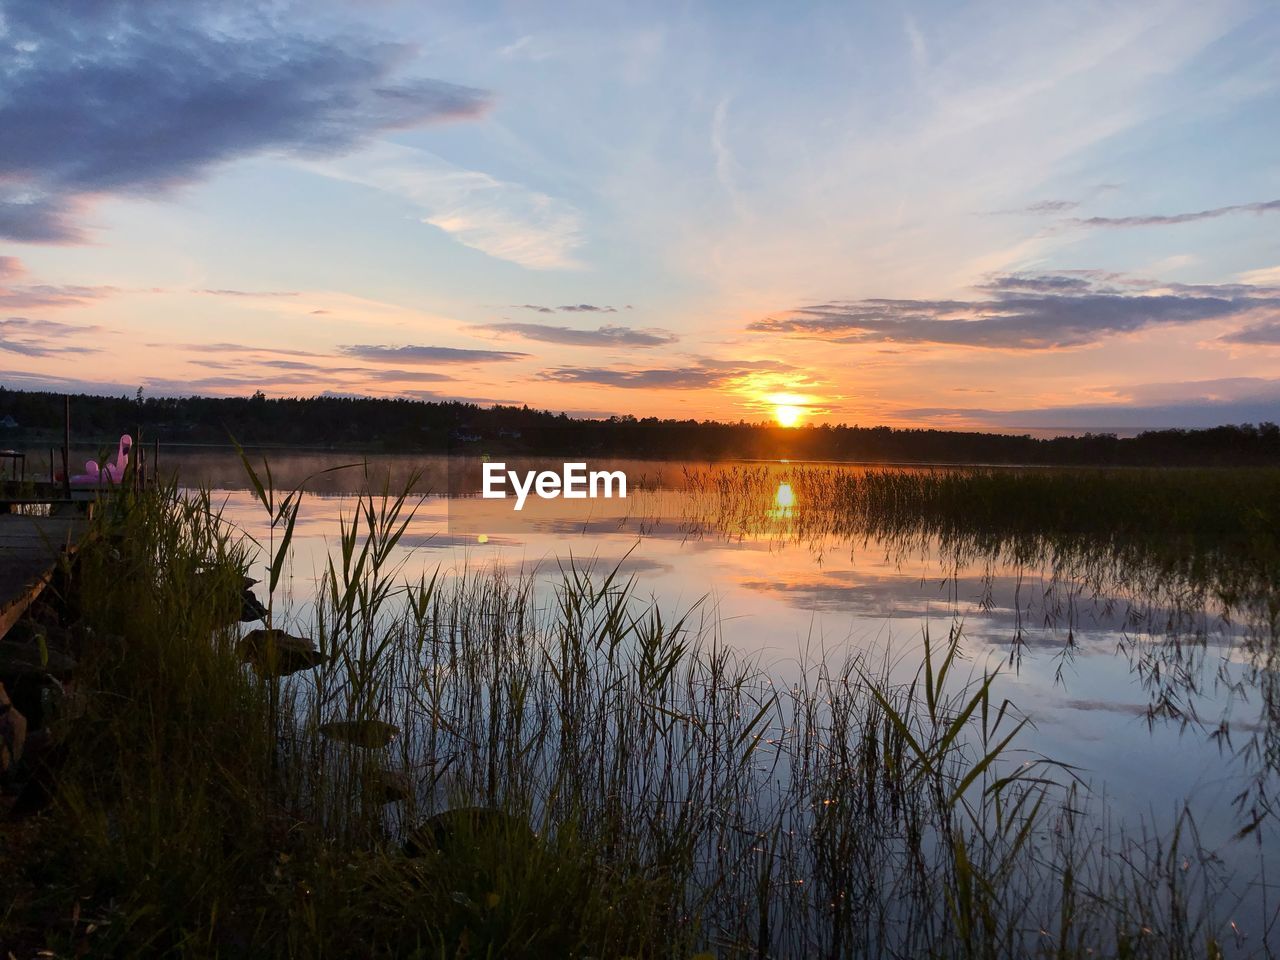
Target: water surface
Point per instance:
(1132, 671)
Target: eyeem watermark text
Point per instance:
(573, 482)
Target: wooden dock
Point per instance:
(30, 550)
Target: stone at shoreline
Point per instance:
(452, 830)
(220, 585)
(24, 658)
(251, 607)
(276, 653)
(210, 575)
(13, 733)
(369, 734)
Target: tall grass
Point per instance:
(623, 782)
(1187, 562)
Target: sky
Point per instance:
(1035, 216)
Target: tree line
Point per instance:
(413, 426)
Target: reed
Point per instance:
(623, 783)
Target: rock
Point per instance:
(251, 607)
(13, 733)
(25, 658)
(452, 830)
(26, 691)
(42, 766)
(369, 734)
(274, 653)
(215, 575)
(221, 584)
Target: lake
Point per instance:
(1141, 666)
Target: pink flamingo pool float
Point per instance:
(108, 472)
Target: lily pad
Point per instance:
(370, 734)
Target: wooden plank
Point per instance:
(30, 548)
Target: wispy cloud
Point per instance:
(126, 98)
(1258, 334)
(25, 380)
(570, 308)
(608, 335)
(252, 294)
(1267, 276)
(698, 375)
(1051, 206)
(329, 373)
(505, 220)
(1187, 403)
(44, 296)
(28, 218)
(43, 338)
(237, 348)
(1027, 312)
(421, 354)
(1156, 220)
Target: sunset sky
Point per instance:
(996, 215)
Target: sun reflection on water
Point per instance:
(784, 500)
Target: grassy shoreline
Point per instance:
(646, 792)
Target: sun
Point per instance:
(787, 415)
(788, 408)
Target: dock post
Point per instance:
(66, 448)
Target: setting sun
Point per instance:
(787, 415)
(788, 408)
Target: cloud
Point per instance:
(697, 376)
(502, 219)
(570, 308)
(417, 354)
(11, 267)
(253, 293)
(1220, 390)
(24, 380)
(1168, 219)
(134, 98)
(232, 382)
(284, 370)
(1027, 312)
(1260, 334)
(42, 219)
(244, 348)
(609, 335)
(1051, 206)
(406, 376)
(43, 296)
(41, 338)
(1267, 276)
(1046, 283)
(1187, 404)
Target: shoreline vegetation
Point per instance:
(464, 767)
(413, 426)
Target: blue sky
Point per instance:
(1031, 215)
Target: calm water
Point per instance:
(1126, 674)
